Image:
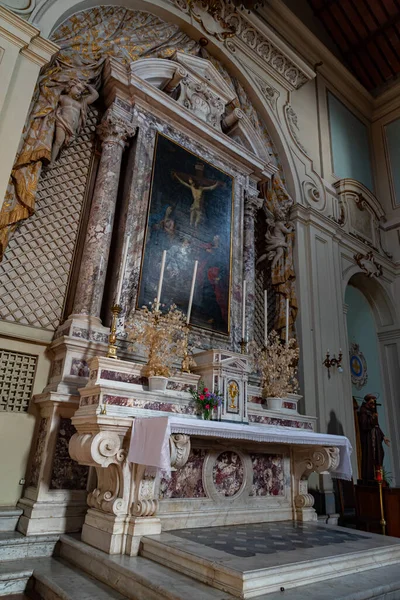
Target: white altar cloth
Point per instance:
(255, 432)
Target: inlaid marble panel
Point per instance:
(268, 475)
(33, 478)
(281, 422)
(186, 482)
(228, 473)
(79, 367)
(66, 473)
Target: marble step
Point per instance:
(261, 574)
(14, 576)
(9, 516)
(135, 577)
(14, 545)
(55, 579)
(376, 584)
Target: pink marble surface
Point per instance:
(268, 475)
(228, 473)
(282, 422)
(186, 482)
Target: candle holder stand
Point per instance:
(379, 479)
(185, 366)
(243, 347)
(112, 338)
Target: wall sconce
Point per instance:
(333, 362)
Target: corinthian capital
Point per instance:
(113, 129)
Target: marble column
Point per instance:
(252, 203)
(114, 132)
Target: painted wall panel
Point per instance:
(392, 131)
(350, 144)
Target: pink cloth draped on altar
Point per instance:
(150, 443)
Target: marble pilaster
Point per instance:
(252, 203)
(114, 132)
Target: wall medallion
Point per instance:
(358, 367)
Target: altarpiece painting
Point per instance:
(190, 216)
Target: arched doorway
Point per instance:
(369, 317)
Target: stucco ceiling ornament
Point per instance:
(224, 21)
(20, 7)
(292, 123)
(270, 94)
(210, 13)
(368, 264)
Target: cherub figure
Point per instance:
(71, 113)
(196, 210)
(275, 238)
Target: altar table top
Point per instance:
(152, 435)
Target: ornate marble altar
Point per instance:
(236, 469)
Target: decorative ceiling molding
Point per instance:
(20, 8)
(246, 32)
(270, 94)
(291, 121)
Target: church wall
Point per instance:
(17, 428)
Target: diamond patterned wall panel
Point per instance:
(35, 270)
(17, 376)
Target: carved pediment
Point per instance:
(240, 128)
(203, 70)
(203, 90)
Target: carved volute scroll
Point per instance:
(118, 480)
(316, 459)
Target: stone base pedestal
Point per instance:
(139, 526)
(104, 531)
(52, 516)
(117, 534)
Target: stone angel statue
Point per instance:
(275, 238)
(71, 113)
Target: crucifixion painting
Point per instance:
(190, 216)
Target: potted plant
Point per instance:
(277, 365)
(206, 402)
(163, 335)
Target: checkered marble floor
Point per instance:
(266, 538)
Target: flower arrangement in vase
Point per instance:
(163, 336)
(206, 402)
(277, 365)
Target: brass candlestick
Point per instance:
(243, 347)
(112, 338)
(185, 366)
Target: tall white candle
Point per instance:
(122, 268)
(244, 310)
(265, 318)
(192, 292)
(287, 321)
(160, 281)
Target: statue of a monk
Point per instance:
(371, 438)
